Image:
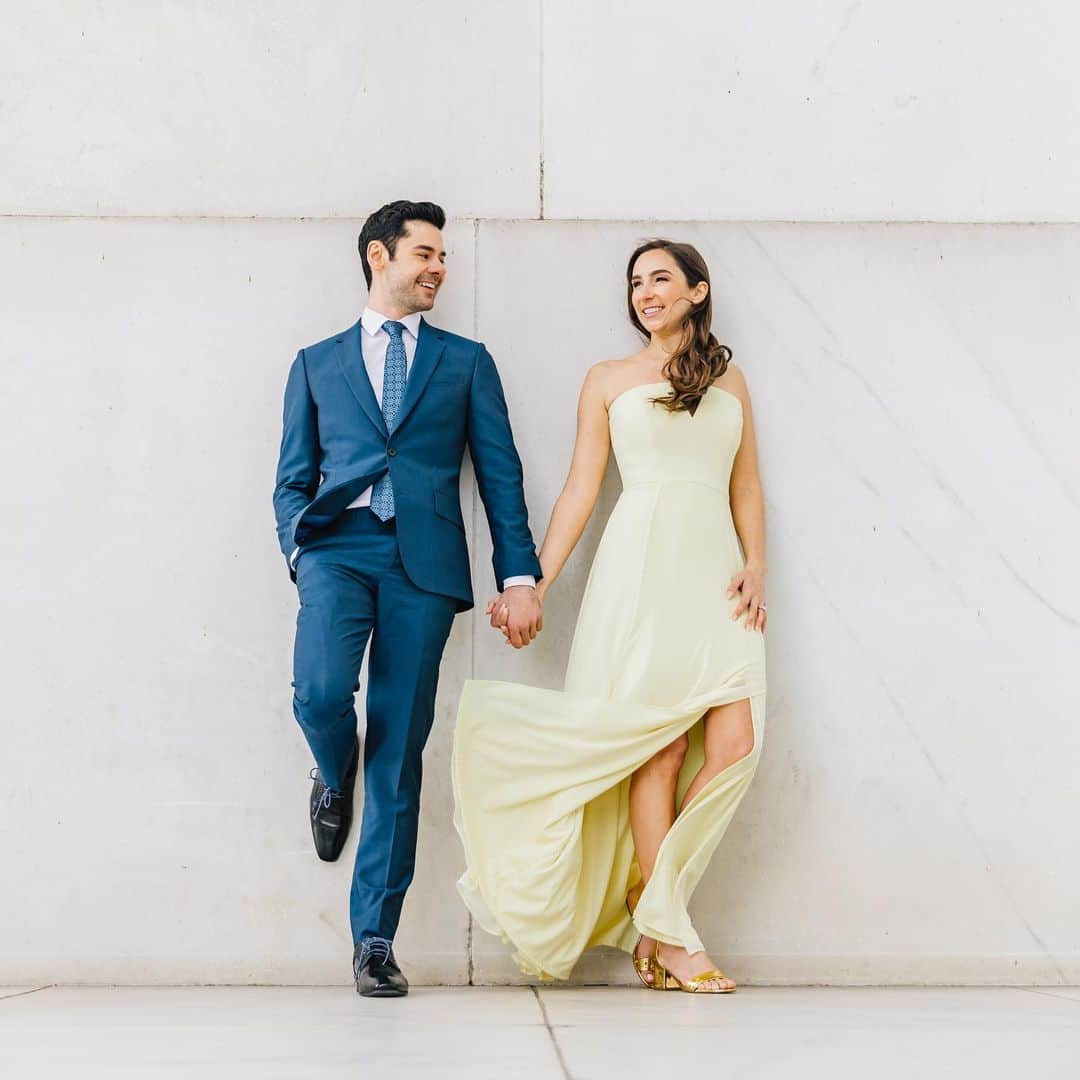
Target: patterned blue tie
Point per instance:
(382, 495)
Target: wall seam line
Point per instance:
(299, 219)
(469, 964)
(540, 37)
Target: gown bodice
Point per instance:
(655, 446)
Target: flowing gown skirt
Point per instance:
(541, 777)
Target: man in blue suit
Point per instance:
(376, 422)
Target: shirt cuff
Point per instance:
(292, 557)
(522, 579)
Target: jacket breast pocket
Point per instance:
(448, 506)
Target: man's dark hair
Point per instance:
(388, 225)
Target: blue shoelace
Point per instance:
(328, 794)
(376, 947)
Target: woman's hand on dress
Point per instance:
(749, 585)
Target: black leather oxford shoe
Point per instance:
(375, 970)
(331, 811)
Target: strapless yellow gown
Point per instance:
(541, 777)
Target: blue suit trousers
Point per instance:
(353, 588)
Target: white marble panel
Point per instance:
(154, 782)
(914, 816)
(826, 111)
(270, 109)
(264, 1033)
(820, 1033)
(257, 1033)
(915, 812)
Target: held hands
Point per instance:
(518, 613)
(749, 584)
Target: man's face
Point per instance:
(413, 277)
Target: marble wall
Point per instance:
(883, 198)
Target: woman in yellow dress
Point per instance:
(588, 815)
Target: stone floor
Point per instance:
(759, 1033)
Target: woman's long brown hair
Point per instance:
(700, 359)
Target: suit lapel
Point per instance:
(429, 350)
(351, 362)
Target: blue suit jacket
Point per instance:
(334, 444)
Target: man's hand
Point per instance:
(518, 613)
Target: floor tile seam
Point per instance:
(551, 1033)
(1049, 992)
(25, 993)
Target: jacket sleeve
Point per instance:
(499, 475)
(298, 460)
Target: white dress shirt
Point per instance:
(373, 346)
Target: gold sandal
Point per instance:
(694, 985)
(645, 965)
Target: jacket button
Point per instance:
(391, 451)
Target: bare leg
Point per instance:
(729, 736)
(652, 813)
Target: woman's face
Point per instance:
(660, 293)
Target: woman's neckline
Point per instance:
(667, 382)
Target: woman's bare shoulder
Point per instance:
(734, 381)
(607, 376)
(625, 372)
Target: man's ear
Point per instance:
(377, 255)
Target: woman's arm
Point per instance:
(748, 513)
(575, 504)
